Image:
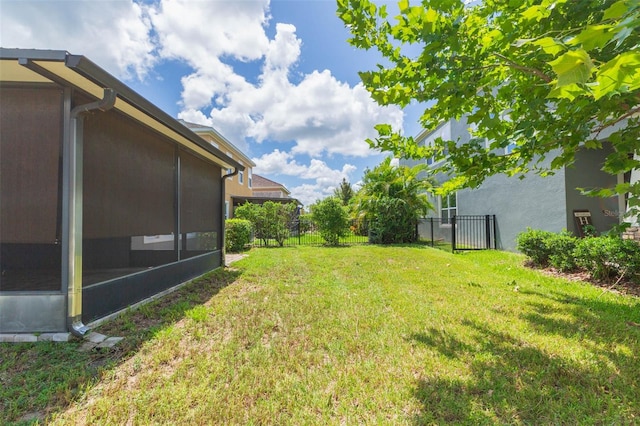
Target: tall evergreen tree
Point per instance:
(344, 192)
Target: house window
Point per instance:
(226, 210)
(250, 178)
(241, 178)
(448, 207)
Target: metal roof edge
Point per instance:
(35, 54)
(94, 73)
(91, 71)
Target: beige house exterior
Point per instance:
(240, 185)
(266, 188)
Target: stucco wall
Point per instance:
(587, 173)
(534, 202)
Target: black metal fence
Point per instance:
(303, 231)
(468, 232)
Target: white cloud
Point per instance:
(320, 114)
(199, 30)
(115, 34)
(308, 194)
(325, 178)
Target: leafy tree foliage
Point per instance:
(270, 221)
(344, 192)
(388, 181)
(237, 234)
(391, 199)
(549, 76)
(331, 218)
(392, 222)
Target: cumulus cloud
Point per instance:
(198, 31)
(319, 114)
(116, 35)
(325, 178)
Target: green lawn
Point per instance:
(350, 335)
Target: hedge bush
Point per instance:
(393, 222)
(237, 234)
(534, 244)
(332, 220)
(607, 258)
(561, 251)
(604, 258)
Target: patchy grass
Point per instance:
(365, 335)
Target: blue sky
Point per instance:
(277, 78)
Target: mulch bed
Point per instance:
(626, 287)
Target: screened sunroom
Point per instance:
(105, 199)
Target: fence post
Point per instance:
(432, 237)
(453, 233)
(495, 240)
(487, 232)
(299, 241)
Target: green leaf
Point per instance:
(573, 67)
(431, 15)
(592, 37)
(536, 12)
(569, 91)
(621, 74)
(616, 10)
(622, 34)
(593, 144)
(549, 45)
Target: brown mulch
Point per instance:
(626, 287)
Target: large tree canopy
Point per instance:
(548, 76)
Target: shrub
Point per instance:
(607, 258)
(627, 258)
(561, 247)
(237, 234)
(270, 221)
(332, 220)
(594, 256)
(393, 222)
(534, 244)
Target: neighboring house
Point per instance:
(265, 190)
(106, 200)
(549, 203)
(239, 185)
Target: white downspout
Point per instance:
(73, 220)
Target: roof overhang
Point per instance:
(67, 70)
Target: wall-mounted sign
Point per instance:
(582, 219)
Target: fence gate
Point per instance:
(473, 232)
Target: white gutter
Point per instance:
(73, 220)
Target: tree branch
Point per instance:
(530, 70)
(628, 114)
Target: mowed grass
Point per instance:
(378, 335)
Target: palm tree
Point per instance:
(393, 198)
(388, 181)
